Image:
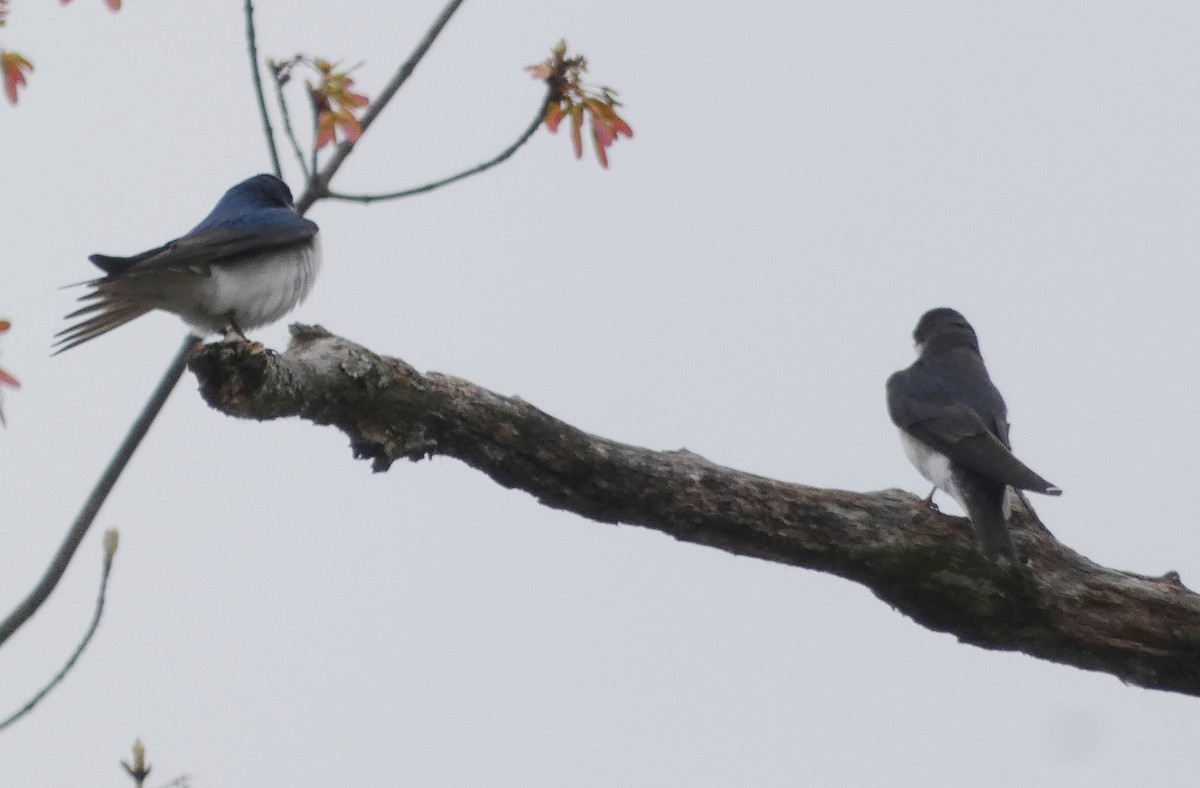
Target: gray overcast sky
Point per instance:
(806, 180)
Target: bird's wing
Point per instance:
(957, 431)
(194, 252)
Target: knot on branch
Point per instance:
(230, 373)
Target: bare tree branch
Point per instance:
(87, 637)
(1059, 606)
(487, 165)
(252, 45)
(99, 493)
(318, 185)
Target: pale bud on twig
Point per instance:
(140, 769)
(110, 545)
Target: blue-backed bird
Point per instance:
(251, 261)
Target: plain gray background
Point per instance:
(806, 179)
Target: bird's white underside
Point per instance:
(938, 470)
(252, 292)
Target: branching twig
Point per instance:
(99, 493)
(287, 123)
(314, 110)
(252, 43)
(110, 546)
(509, 151)
(182, 781)
(319, 185)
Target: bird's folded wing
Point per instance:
(956, 431)
(195, 251)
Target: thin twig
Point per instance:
(509, 151)
(108, 559)
(316, 131)
(103, 486)
(287, 124)
(252, 42)
(319, 185)
(182, 781)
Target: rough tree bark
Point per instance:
(1059, 606)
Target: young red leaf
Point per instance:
(4, 375)
(554, 115)
(601, 155)
(600, 125)
(351, 128)
(576, 127)
(335, 91)
(13, 67)
(324, 128)
(5, 378)
(602, 132)
(599, 107)
(351, 99)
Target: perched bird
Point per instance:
(251, 261)
(954, 427)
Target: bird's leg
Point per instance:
(929, 500)
(232, 332)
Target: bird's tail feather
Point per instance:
(112, 314)
(985, 507)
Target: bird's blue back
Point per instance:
(959, 374)
(262, 201)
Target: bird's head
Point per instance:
(253, 201)
(944, 328)
(262, 190)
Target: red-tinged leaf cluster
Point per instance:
(115, 5)
(334, 100)
(570, 98)
(336, 104)
(5, 378)
(13, 69)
